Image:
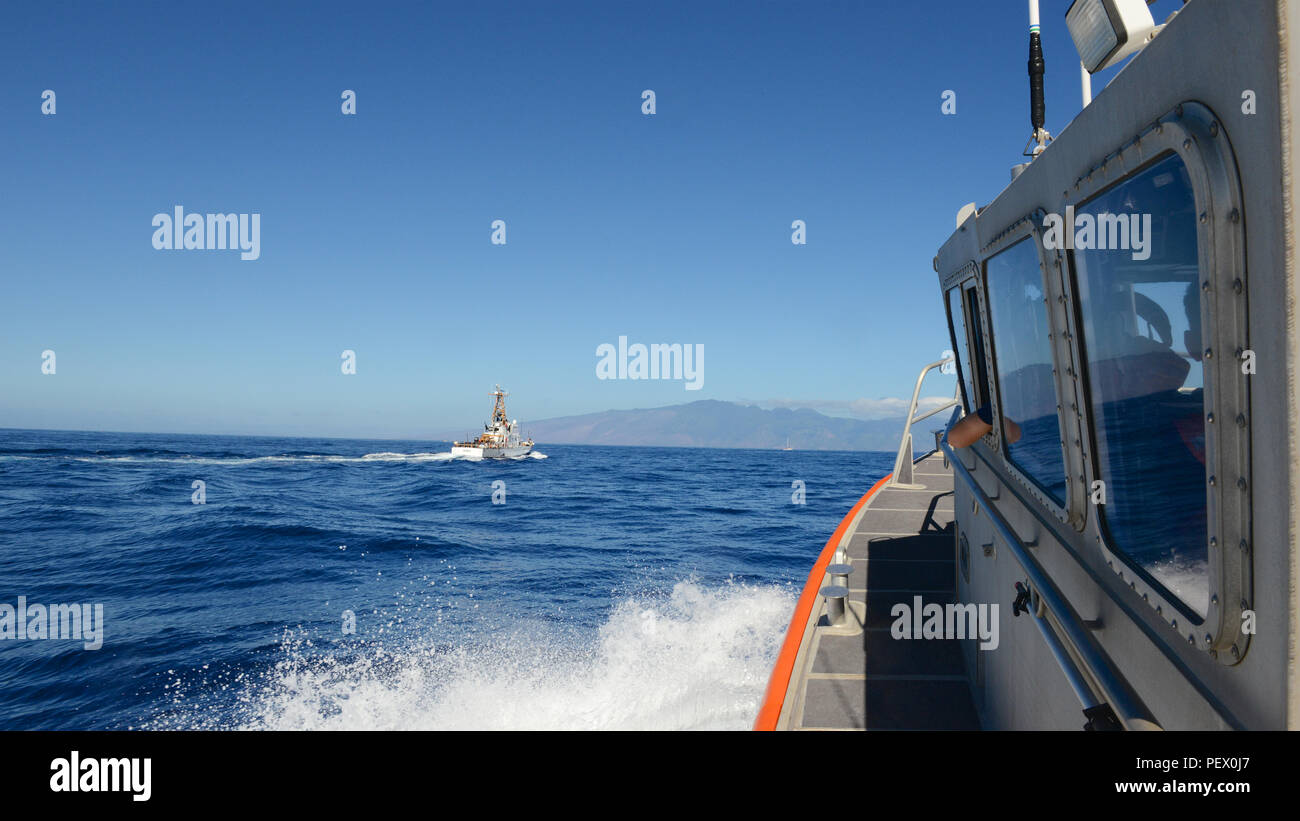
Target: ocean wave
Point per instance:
(692, 658)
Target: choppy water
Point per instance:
(613, 588)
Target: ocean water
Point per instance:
(613, 588)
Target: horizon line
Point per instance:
(401, 439)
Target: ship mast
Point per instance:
(499, 409)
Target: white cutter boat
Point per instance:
(499, 439)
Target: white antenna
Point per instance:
(1037, 108)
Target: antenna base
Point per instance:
(1039, 140)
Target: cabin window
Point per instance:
(1141, 340)
(1022, 358)
(981, 377)
(961, 345)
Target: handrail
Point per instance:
(902, 475)
(1113, 688)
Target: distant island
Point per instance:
(710, 423)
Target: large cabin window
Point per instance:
(1022, 358)
(1141, 337)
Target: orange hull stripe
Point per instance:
(780, 681)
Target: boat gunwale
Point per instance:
(778, 685)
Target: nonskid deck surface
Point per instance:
(902, 546)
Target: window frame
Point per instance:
(972, 300)
(1191, 132)
(956, 344)
(1070, 511)
(963, 287)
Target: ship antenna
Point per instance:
(1037, 68)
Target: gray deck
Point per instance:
(860, 677)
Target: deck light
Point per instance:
(1107, 31)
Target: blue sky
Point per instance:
(375, 228)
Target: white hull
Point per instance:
(510, 452)
(499, 440)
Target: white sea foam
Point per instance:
(1188, 579)
(697, 658)
(385, 456)
(406, 457)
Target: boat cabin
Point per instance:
(1127, 305)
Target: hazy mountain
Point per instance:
(710, 423)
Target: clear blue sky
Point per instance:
(375, 228)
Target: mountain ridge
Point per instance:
(714, 423)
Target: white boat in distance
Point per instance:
(500, 438)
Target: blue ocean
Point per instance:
(284, 583)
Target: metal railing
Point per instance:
(1094, 678)
(902, 475)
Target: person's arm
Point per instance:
(969, 429)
